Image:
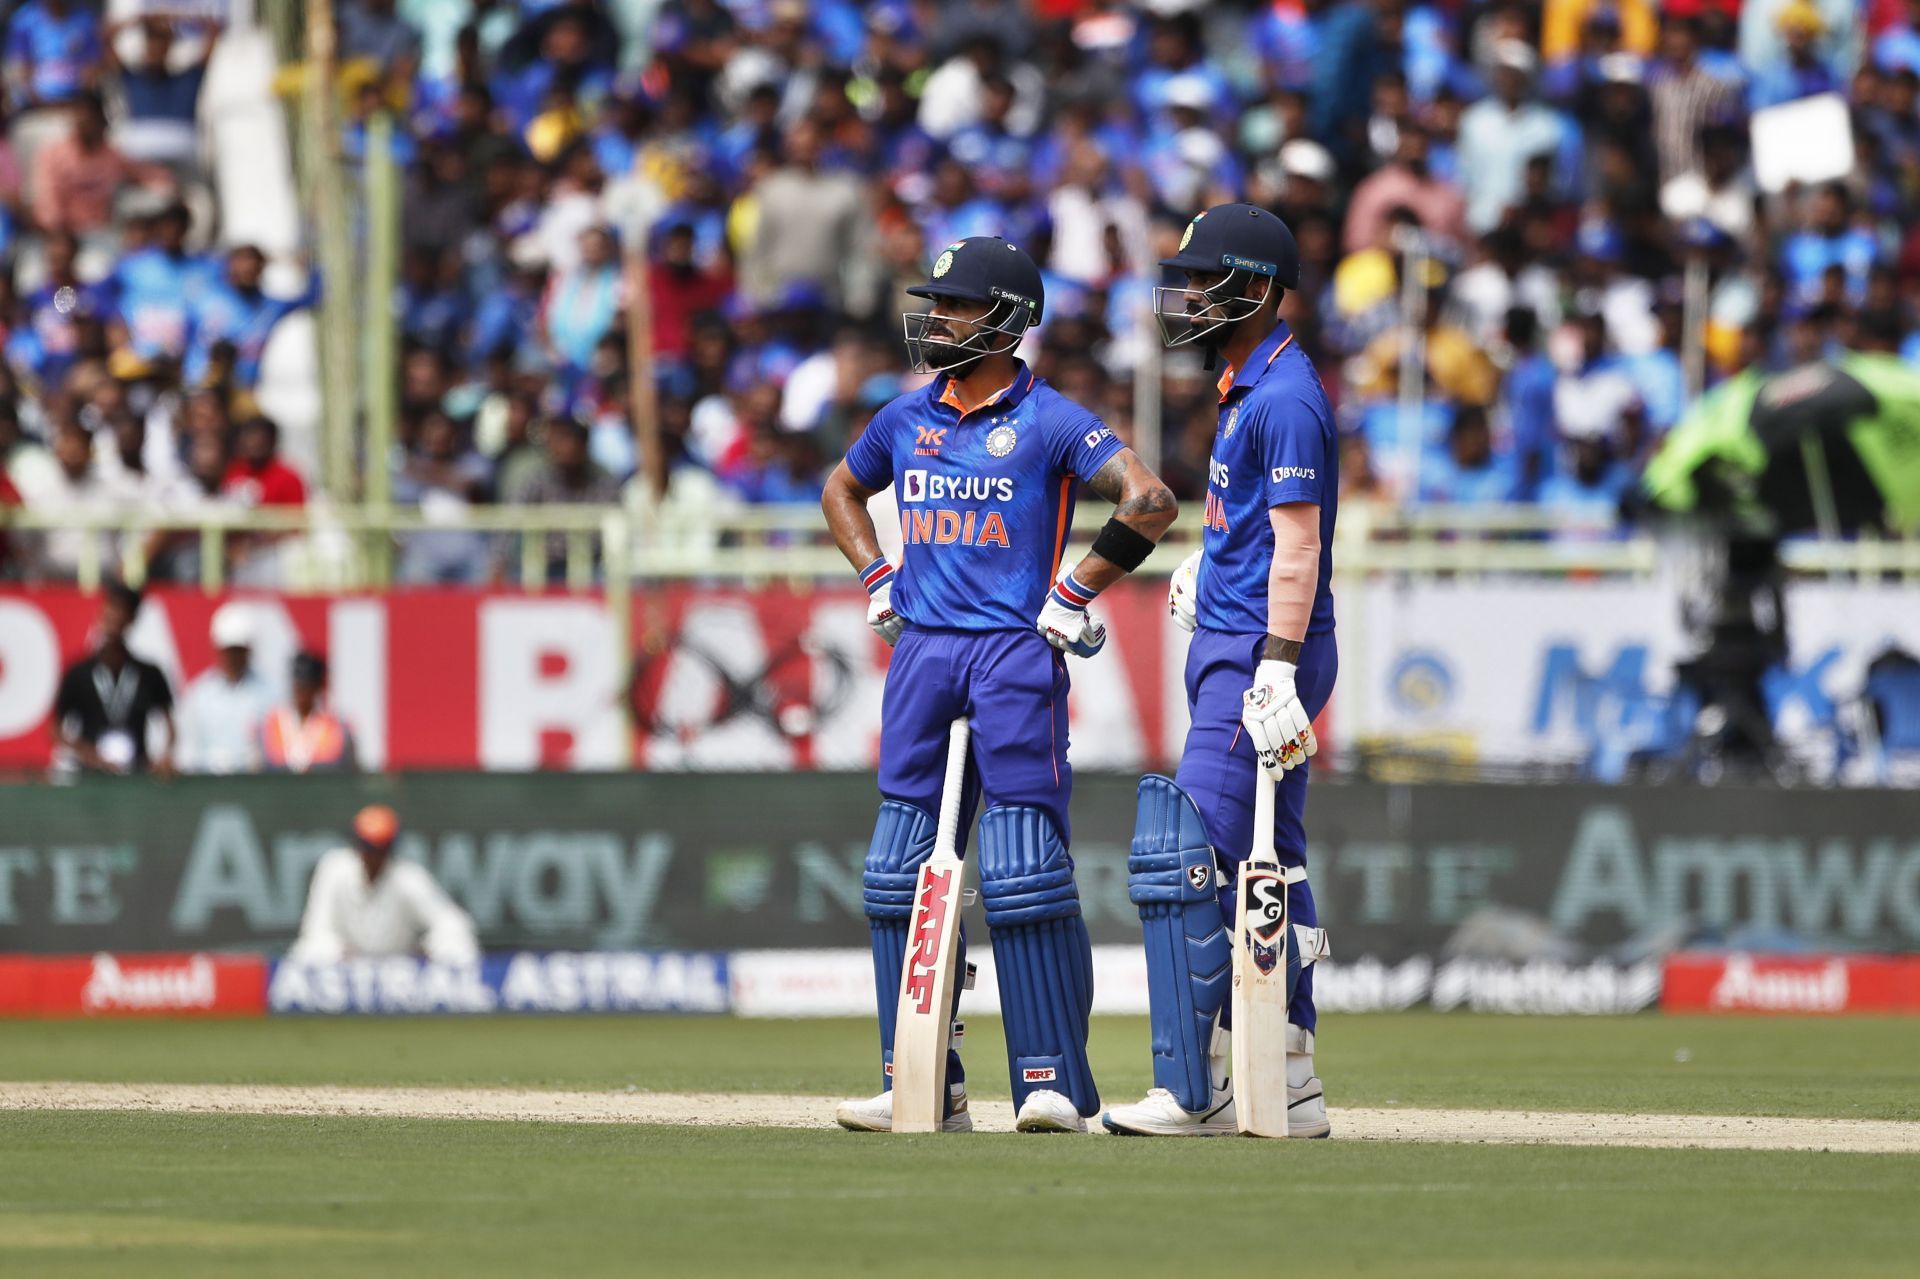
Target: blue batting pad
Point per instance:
(1042, 952)
(1170, 877)
(902, 842)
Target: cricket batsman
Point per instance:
(1259, 669)
(984, 462)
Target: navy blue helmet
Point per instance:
(980, 268)
(1236, 242)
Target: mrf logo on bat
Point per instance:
(930, 922)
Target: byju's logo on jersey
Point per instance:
(1281, 474)
(926, 486)
(1001, 439)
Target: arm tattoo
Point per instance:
(1110, 482)
(1281, 650)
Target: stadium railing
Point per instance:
(326, 547)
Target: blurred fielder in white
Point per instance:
(365, 902)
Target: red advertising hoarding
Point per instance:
(106, 985)
(1792, 984)
(717, 679)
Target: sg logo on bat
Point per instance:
(1266, 916)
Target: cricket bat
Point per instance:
(927, 975)
(1260, 979)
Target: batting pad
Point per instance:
(1042, 953)
(1171, 877)
(902, 841)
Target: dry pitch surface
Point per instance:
(784, 1110)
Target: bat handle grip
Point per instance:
(947, 835)
(1261, 845)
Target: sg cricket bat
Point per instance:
(1260, 979)
(927, 975)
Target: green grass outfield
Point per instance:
(164, 1195)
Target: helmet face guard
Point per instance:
(998, 332)
(1225, 303)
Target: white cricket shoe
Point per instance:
(1159, 1115)
(1048, 1111)
(1306, 1098)
(875, 1114)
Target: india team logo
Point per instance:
(1233, 420)
(1187, 235)
(1001, 439)
(943, 264)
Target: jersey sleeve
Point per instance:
(1078, 442)
(1293, 432)
(871, 457)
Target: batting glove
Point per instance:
(877, 577)
(1276, 722)
(1183, 592)
(1063, 620)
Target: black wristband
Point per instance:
(1121, 546)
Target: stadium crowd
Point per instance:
(1534, 178)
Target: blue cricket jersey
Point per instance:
(1275, 444)
(985, 497)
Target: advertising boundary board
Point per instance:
(719, 862)
(839, 983)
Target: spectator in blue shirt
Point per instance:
(506, 315)
(433, 304)
(156, 286)
(1798, 71)
(1591, 480)
(1898, 47)
(56, 314)
(53, 52)
(1529, 397)
(1829, 239)
(238, 313)
(162, 103)
(1469, 471)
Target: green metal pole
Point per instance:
(325, 190)
(381, 383)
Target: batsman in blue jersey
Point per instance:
(1259, 669)
(983, 463)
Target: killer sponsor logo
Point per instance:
(929, 926)
(928, 440)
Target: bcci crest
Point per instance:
(943, 265)
(1233, 420)
(1187, 235)
(1001, 439)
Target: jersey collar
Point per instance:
(1257, 364)
(1006, 397)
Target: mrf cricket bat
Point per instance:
(925, 1017)
(1260, 979)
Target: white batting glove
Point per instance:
(1276, 722)
(877, 577)
(1064, 622)
(1183, 593)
